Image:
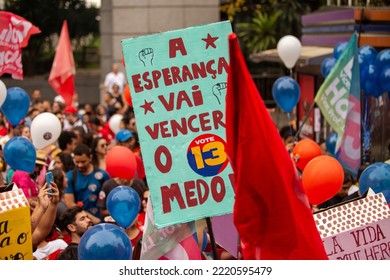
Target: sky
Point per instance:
(96, 2)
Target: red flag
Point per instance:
(63, 70)
(15, 33)
(271, 211)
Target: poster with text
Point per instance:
(178, 82)
(15, 234)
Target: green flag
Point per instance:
(333, 95)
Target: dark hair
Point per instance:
(347, 177)
(287, 131)
(361, 169)
(66, 138)
(69, 217)
(67, 161)
(69, 253)
(58, 178)
(94, 144)
(82, 149)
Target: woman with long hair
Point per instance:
(99, 150)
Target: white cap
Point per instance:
(59, 98)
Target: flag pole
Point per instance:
(212, 239)
(304, 121)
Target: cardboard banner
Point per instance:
(357, 230)
(369, 242)
(178, 83)
(15, 226)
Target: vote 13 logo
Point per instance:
(206, 155)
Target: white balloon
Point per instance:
(114, 122)
(45, 130)
(289, 50)
(3, 92)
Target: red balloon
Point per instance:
(304, 151)
(322, 179)
(121, 162)
(127, 95)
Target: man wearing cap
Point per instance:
(28, 181)
(72, 119)
(124, 137)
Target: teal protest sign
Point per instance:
(178, 83)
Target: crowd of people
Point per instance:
(77, 161)
(76, 199)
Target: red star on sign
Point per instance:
(210, 41)
(147, 107)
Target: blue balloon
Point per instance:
(382, 59)
(364, 68)
(368, 53)
(371, 85)
(20, 154)
(16, 105)
(338, 49)
(330, 143)
(105, 242)
(327, 66)
(286, 93)
(384, 78)
(377, 177)
(123, 204)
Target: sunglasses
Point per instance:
(103, 145)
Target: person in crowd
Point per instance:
(101, 113)
(112, 105)
(388, 151)
(72, 119)
(80, 133)
(76, 221)
(101, 129)
(57, 107)
(67, 141)
(287, 133)
(59, 177)
(114, 77)
(45, 248)
(36, 95)
(44, 213)
(64, 161)
(3, 125)
(125, 138)
(138, 185)
(70, 253)
(99, 149)
(23, 130)
(342, 193)
(85, 183)
(47, 106)
(142, 212)
(28, 181)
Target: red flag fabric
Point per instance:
(15, 33)
(271, 211)
(63, 70)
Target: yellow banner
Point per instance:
(15, 234)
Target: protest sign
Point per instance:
(178, 83)
(358, 230)
(15, 226)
